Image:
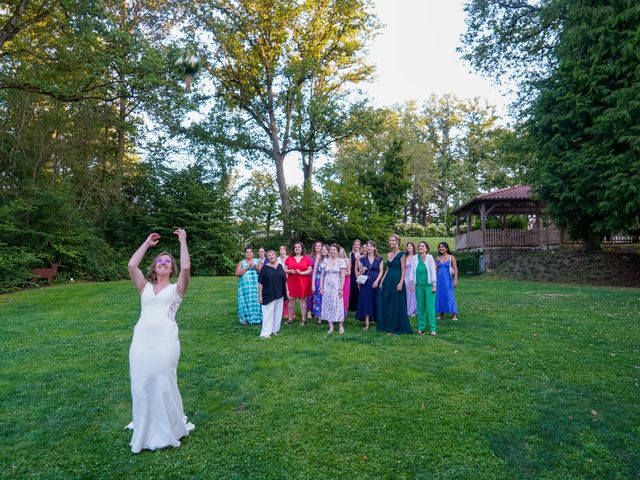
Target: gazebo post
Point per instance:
(539, 226)
(483, 222)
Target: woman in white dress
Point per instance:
(158, 415)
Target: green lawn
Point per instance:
(535, 381)
(431, 241)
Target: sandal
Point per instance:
(365, 328)
(319, 322)
(288, 323)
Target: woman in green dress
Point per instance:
(392, 315)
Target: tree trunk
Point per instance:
(122, 137)
(284, 195)
(307, 167)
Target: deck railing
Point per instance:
(551, 236)
(512, 237)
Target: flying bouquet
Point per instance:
(188, 65)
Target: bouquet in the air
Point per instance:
(188, 65)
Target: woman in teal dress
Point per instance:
(392, 315)
(249, 309)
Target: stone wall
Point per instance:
(495, 257)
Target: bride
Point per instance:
(158, 414)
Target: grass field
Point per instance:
(431, 241)
(536, 381)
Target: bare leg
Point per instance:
(330, 331)
(303, 310)
(341, 331)
(366, 323)
(292, 308)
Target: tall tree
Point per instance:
(586, 122)
(577, 65)
(271, 60)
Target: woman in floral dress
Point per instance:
(332, 282)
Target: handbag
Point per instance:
(362, 279)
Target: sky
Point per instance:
(415, 56)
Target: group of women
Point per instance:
(327, 283)
(409, 282)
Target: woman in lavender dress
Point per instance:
(316, 305)
(410, 253)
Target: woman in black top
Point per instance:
(272, 292)
(356, 251)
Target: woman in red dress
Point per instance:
(298, 267)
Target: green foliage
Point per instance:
(468, 263)
(15, 267)
(541, 379)
(390, 185)
(436, 229)
(585, 123)
(513, 39)
(411, 229)
(259, 209)
(284, 72)
(351, 211)
(576, 62)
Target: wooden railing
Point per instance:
(512, 237)
(551, 236)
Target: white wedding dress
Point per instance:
(158, 414)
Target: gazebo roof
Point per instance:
(516, 200)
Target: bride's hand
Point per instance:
(153, 239)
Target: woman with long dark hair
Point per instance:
(447, 274)
(372, 266)
(354, 291)
(298, 267)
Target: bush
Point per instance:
(410, 229)
(15, 267)
(436, 230)
(468, 263)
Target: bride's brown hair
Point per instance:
(151, 273)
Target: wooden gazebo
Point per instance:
(503, 203)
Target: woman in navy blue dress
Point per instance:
(370, 265)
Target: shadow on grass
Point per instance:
(576, 434)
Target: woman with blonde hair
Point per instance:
(331, 285)
(354, 257)
(392, 303)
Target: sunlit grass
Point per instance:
(534, 381)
